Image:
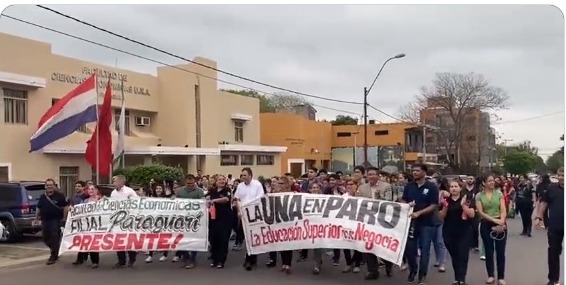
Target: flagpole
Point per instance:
(97, 134)
(123, 160)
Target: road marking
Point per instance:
(23, 247)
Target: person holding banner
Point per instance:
(353, 257)
(157, 191)
(376, 189)
(123, 192)
(283, 186)
(190, 191)
(219, 198)
(423, 196)
(93, 196)
(248, 190)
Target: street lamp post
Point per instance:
(366, 93)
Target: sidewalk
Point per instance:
(14, 255)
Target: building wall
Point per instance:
(168, 99)
(387, 135)
(305, 139)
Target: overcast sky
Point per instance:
(334, 51)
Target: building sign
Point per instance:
(103, 76)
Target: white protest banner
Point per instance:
(137, 224)
(292, 221)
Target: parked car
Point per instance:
(18, 205)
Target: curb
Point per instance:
(22, 262)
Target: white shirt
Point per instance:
(124, 193)
(250, 192)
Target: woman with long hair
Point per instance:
(220, 220)
(457, 213)
(157, 191)
(316, 188)
(491, 207)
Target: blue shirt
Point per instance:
(423, 196)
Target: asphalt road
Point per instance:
(526, 265)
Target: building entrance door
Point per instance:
(4, 174)
(296, 169)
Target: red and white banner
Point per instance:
(292, 221)
(137, 224)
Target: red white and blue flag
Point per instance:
(67, 115)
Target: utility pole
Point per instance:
(366, 161)
(366, 93)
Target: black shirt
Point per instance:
(223, 210)
(453, 222)
(554, 198)
(52, 210)
(524, 194)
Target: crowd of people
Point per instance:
(454, 217)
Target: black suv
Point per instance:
(18, 204)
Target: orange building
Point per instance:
(391, 146)
(308, 141)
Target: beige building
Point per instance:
(178, 117)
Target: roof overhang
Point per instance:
(29, 81)
(140, 150)
(251, 148)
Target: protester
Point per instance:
(219, 199)
(491, 206)
(122, 191)
(552, 202)
(525, 202)
(423, 196)
(52, 209)
(93, 196)
(354, 257)
(157, 192)
(190, 191)
(457, 214)
(248, 190)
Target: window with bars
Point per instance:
(126, 120)
(239, 131)
(68, 176)
(82, 129)
(15, 106)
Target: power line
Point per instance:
(529, 118)
(157, 61)
(382, 112)
(194, 62)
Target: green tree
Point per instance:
(274, 102)
(540, 166)
(143, 174)
(342, 120)
(519, 162)
(555, 161)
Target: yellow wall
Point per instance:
(168, 99)
(299, 135)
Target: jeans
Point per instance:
(439, 247)
(458, 245)
(493, 246)
(353, 257)
(317, 256)
(555, 239)
(51, 232)
(475, 232)
(426, 236)
(189, 256)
